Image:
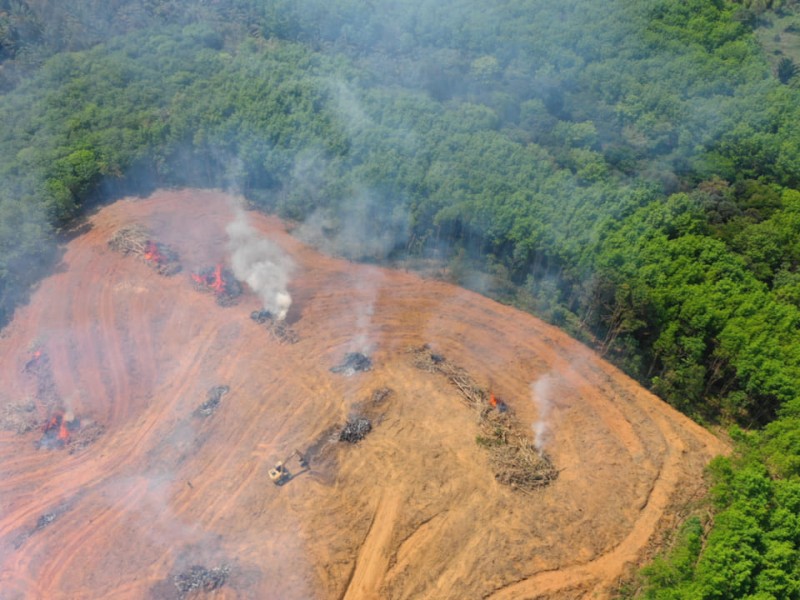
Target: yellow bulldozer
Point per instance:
(280, 474)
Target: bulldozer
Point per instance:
(280, 474)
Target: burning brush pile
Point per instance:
(60, 429)
(515, 459)
(220, 281)
(65, 430)
(277, 327)
(137, 241)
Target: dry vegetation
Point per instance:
(515, 459)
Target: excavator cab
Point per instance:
(279, 474)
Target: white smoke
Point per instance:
(260, 264)
(542, 394)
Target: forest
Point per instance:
(627, 170)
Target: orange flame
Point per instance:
(492, 400)
(151, 252)
(218, 285)
(54, 422)
(63, 432)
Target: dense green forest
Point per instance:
(628, 170)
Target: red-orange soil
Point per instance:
(412, 511)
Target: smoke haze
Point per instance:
(260, 264)
(542, 395)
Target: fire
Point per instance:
(214, 280)
(497, 403)
(218, 284)
(151, 252)
(58, 424)
(37, 354)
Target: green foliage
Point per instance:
(628, 170)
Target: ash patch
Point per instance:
(354, 362)
(42, 522)
(213, 398)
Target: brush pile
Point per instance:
(198, 577)
(137, 241)
(354, 362)
(514, 458)
(213, 398)
(278, 329)
(84, 436)
(19, 417)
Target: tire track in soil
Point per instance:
(146, 354)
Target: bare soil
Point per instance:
(411, 511)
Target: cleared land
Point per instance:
(174, 477)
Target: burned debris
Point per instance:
(365, 415)
(276, 327)
(200, 578)
(220, 281)
(137, 241)
(213, 398)
(44, 520)
(261, 316)
(514, 458)
(354, 362)
(379, 396)
(355, 430)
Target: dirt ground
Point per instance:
(412, 511)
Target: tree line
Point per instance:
(628, 171)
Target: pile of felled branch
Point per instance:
(514, 458)
(135, 240)
(19, 417)
(86, 435)
(472, 394)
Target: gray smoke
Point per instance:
(542, 394)
(260, 264)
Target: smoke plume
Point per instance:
(542, 395)
(260, 264)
